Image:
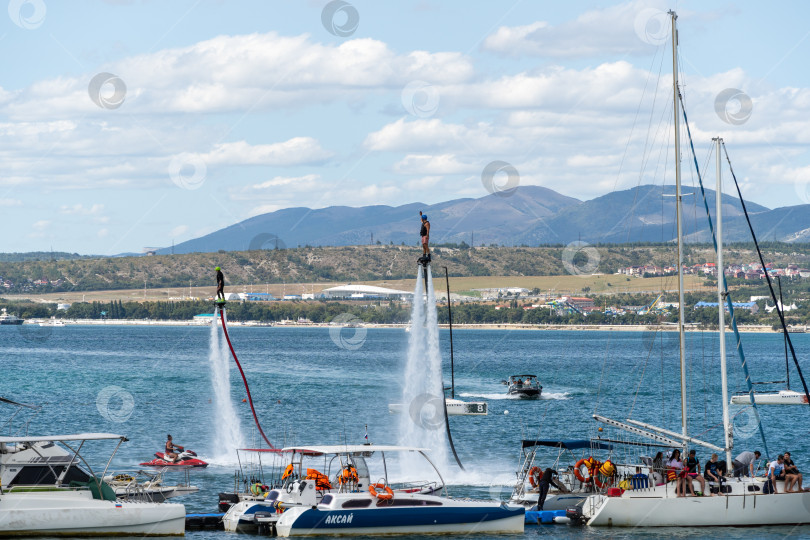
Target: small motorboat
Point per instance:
(524, 386)
(148, 486)
(186, 458)
(6, 319)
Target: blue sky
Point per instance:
(210, 112)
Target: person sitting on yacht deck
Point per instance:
(743, 465)
(793, 478)
(712, 470)
(676, 465)
(693, 469)
(659, 472)
(776, 471)
(639, 480)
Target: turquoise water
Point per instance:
(313, 386)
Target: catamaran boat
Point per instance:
(311, 505)
(524, 386)
(6, 319)
(46, 492)
(743, 502)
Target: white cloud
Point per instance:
(180, 230)
(296, 151)
(80, 210)
(627, 28)
(298, 181)
(10, 202)
(433, 164)
(41, 225)
(242, 73)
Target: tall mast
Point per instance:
(679, 217)
(721, 298)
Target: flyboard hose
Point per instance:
(444, 397)
(244, 380)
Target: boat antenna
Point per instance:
(779, 310)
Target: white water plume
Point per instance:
(227, 428)
(422, 423)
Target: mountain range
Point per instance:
(528, 215)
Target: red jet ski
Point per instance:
(186, 458)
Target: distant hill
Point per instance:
(42, 256)
(529, 216)
(491, 219)
(351, 264)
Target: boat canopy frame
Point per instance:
(64, 439)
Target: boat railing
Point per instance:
(40, 488)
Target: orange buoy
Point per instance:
(385, 493)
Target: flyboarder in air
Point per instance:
(424, 233)
(220, 285)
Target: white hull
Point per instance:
(236, 514)
(783, 397)
(455, 407)
(77, 513)
(660, 508)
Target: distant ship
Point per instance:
(5, 318)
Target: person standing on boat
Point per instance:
(543, 485)
(424, 233)
(743, 465)
(220, 284)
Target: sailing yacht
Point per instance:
(743, 502)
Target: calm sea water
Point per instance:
(313, 386)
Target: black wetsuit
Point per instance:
(423, 230)
(542, 487)
(220, 285)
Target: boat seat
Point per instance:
(106, 494)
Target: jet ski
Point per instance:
(186, 458)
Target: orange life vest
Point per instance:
(321, 481)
